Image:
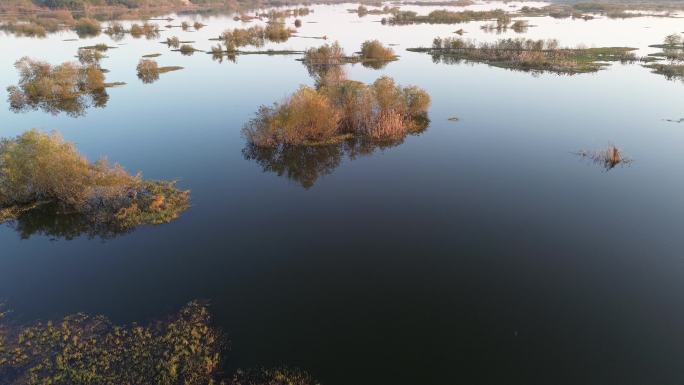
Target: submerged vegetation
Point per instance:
(337, 110)
(68, 87)
(37, 168)
(526, 55)
(608, 158)
(82, 349)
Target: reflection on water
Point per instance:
(468, 247)
(74, 107)
(306, 164)
(52, 221)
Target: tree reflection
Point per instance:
(306, 164)
(51, 221)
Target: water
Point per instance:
(482, 251)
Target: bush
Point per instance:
(38, 167)
(327, 54)
(186, 49)
(65, 87)
(25, 29)
(116, 30)
(277, 32)
(87, 27)
(673, 39)
(173, 41)
(150, 31)
(239, 37)
(306, 116)
(337, 109)
(373, 49)
(90, 57)
(148, 70)
(297, 23)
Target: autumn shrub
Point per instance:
(148, 30)
(64, 87)
(306, 116)
(374, 50)
(186, 49)
(277, 32)
(240, 37)
(87, 27)
(383, 110)
(327, 54)
(298, 23)
(148, 70)
(115, 29)
(24, 29)
(173, 42)
(40, 167)
(90, 56)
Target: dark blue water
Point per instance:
(482, 251)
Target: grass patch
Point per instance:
(152, 55)
(526, 55)
(670, 71)
(442, 17)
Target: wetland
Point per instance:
(380, 193)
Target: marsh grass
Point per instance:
(40, 167)
(670, 71)
(443, 16)
(527, 55)
(609, 158)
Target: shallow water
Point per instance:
(481, 251)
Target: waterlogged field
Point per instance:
(503, 241)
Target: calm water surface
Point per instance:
(479, 252)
